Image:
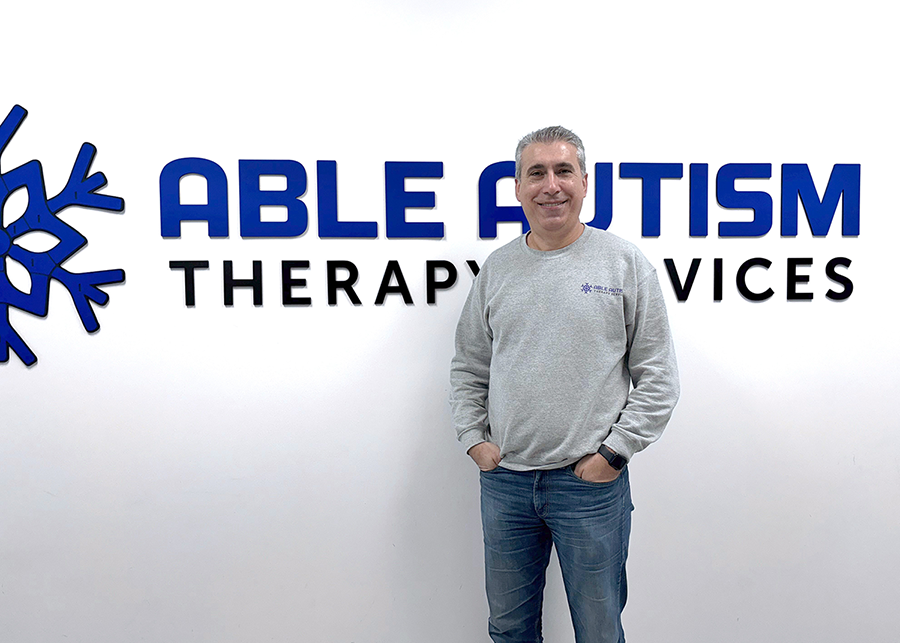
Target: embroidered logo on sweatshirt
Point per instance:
(587, 289)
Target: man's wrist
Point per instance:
(471, 438)
(615, 460)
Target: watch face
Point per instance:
(615, 460)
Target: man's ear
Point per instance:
(517, 191)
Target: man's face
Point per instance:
(551, 188)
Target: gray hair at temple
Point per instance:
(547, 135)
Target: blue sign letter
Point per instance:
(329, 226)
(603, 200)
(489, 213)
(397, 200)
(796, 182)
(172, 212)
(252, 198)
(652, 175)
(759, 202)
(699, 188)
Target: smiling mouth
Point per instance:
(553, 204)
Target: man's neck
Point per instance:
(546, 244)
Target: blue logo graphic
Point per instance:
(588, 288)
(41, 216)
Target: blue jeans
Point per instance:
(524, 514)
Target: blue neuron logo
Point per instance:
(40, 215)
(586, 288)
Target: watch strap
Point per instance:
(615, 460)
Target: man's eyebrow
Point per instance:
(562, 165)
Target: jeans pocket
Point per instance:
(571, 470)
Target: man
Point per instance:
(564, 369)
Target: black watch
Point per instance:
(616, 461)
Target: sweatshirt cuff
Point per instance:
(618, 443)
(471, 437)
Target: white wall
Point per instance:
(291, 474)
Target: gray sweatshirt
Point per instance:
(559, 352)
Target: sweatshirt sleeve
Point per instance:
(470, 370)
(653, 369)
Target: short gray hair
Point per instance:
(547, 135)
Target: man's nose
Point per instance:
(551, 184)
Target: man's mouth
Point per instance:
(552, 204)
